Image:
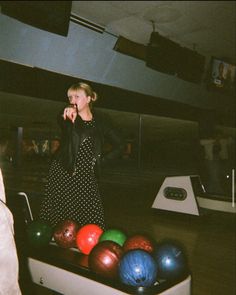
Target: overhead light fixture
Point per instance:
(86, 23)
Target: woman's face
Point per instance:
(79, 98)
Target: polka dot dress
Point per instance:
(74, 196)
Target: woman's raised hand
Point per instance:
(70, 113)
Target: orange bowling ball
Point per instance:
(87, 237)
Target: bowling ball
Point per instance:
(114, 235)
(104, 259)
(87, 237)
(65, 233)
(171, 260)
(139, 242)
(138, 268)
(39, 233)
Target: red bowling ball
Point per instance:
(65, 233)
(139, 241)
(87, 237)
(104, 259)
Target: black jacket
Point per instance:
(74, 134)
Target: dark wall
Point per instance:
(40, 83)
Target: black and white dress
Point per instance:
(74, 196)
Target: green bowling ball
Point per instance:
(114, 235)
(39, 233)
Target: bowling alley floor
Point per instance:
(209, 239)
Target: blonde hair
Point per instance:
(87, 89)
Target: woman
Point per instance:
(72, 190)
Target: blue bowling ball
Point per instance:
(171, 260)
(138, 268)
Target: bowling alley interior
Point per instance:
(165, 76)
